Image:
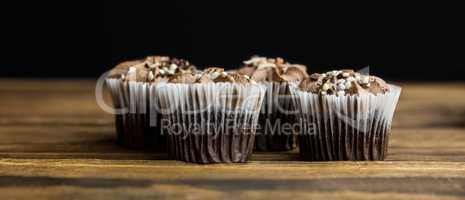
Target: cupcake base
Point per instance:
(274, 140)
(211, 122)
(230, 143)
(134, 132)
(345, 127)
(137, 118)
(276, 115)
(341, 142)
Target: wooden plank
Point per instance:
(55, 142)
(177, 180)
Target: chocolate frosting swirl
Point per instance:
(273, 69)
(211, 75)
(151, 69)
(343, 82)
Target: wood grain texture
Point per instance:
(56, 143)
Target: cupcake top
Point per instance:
(151, 69)
(273, 69)
(343, 82)
(211, 75)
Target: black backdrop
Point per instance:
(83, 39)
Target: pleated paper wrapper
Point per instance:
(277, 110)
(354, 127)
(138, 123)
(211, 122)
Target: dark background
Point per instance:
(423, 42)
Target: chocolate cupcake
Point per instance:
(277, 116)
(132, 89)
(211, 117)
(345, 116)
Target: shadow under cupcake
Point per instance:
(344, 116)
(132, 89)
(210, 117)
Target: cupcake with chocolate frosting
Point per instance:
(277, 114)
(211, 116)
(132, 89)
(345, 116)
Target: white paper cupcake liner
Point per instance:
(277, 114)
(137, 119)
(210, 123)
(353, 127)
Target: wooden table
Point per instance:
(55, 142)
